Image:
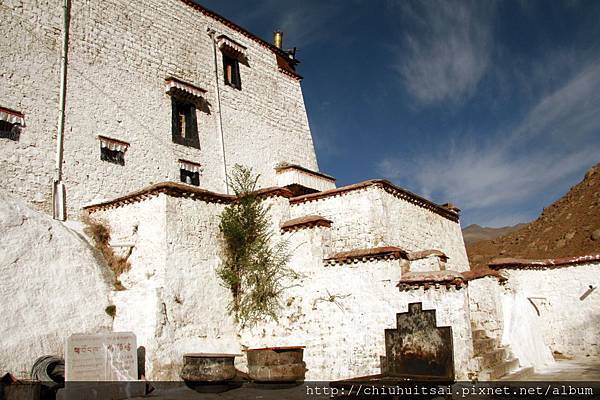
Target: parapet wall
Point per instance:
(175, 303)
(366, 216)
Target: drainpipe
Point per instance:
(211, 33)
(58, 188)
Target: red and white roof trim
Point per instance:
(174, 84)
(113, 144)
(190, 166)
(226, 43)
(12, 116)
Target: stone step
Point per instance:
(494, 357)
(479, 334)
(490, 325)
(479, 313)
(504, 368)
(519, 374)
(483, 346)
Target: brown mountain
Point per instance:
(568, 227)
(475, 233)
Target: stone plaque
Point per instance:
(101, 357)
(418, 348)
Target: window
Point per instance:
(231, 69)
(112, 150)
(233, 54)
(10, 131)
(191, 178)
(11, 123)
(112, 156)
(185, 125)
(189, 172)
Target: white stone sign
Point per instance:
(101, 357)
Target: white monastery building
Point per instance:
(134, 112)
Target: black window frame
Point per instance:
(236, 80)
(188, 108)
(112, 156)
(9, 130)
(194, 177)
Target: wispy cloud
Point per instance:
(306, 25)
(559, 137)
(303, 23)
(571, 112)
(481, 178)
(445, 48)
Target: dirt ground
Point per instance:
(585, 369)
(581, 370)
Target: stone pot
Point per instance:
(208, 368)
(276, 364)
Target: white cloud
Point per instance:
(572, 110)
(446, 48)
(559, 137)
(483, 178)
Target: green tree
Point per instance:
(255, 267)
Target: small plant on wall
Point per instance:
(255, 268)
(100, 233)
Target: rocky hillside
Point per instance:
(568, 227)
(476, 233)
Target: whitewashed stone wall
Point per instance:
(195, 301)
(139, 308)
(538, 311)
(427, 264)
(119, 56)
(175, 304)
(371, 217)
(29, 83)
(415, 228)
(340, 312)
(53, 285)
(507, 316)
(353, 215)
(568, 321)
(294, 176)
(485, 302)
(521, 331)
(173, 301)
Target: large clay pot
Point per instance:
(276, 364)
(208, 368)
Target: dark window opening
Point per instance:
(231, 70)
(185, 125)
(191, 178)
(10, 131)
(112, 156)
(299, 190)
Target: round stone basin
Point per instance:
(208, 368)
(276, 364)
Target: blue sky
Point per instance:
(494, 106)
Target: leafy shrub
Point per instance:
(254, 268)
